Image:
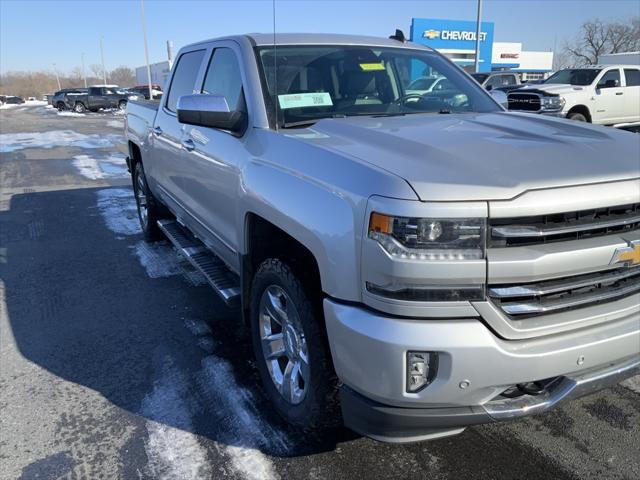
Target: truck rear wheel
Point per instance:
(290, 348)
(122, 105)
(149, 211)
(79, 107)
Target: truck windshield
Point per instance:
(315, 82)
(574, 76)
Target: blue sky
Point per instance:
(34, 34)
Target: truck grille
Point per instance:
(551, 296)
(529, 102)
(515, 232)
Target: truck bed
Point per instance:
(141, 115)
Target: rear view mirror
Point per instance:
(608, 84)
(210, 111)
(500, 97)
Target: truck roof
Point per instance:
(265, 39)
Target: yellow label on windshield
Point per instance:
(369, 67)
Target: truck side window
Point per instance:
(223, 77)
(609, 76)
(184, 78)
(95, 91)
(632, 76)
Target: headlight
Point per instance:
(429, 239)
(552, 103)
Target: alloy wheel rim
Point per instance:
(141, 200)
(284, 346)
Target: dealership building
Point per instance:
(456, 39)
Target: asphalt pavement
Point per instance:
(117, 361)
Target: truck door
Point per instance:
(609, 98)
(632, 94)
(95, 97)
(212, 168)
(166, 170)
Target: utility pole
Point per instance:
(104, 70)
(57, 77)
(84, 74)
(478, 31)
(146, 49)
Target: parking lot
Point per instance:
(117, 361)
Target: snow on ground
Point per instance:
(28, 103)
(632, 384)
(115, 124)
(11, 142)
(161, 260)
(100, 168)
(173, 452)
(118, 210)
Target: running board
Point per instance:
(224, 281)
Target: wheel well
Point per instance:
(134, 156)
(265, 240)
(580, 109)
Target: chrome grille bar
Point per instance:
(564, 284)
(534, 231)
(522, 301)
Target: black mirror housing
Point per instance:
(211, 111)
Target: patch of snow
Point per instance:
(100, 168)
(244, 431)
(68, 113)
(10, 106)
(35, 103)
(632, 384)
(115, 124)
(118, 210)
(161, 260)
(11, 142)
(173, 452)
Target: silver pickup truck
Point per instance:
(408, 263)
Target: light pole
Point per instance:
(146, 48)
(478, 31)
(104, 71)
(57, 77)
(84, 74)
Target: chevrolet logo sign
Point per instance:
(431, 34)
(629, 255)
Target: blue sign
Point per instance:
(456, 39)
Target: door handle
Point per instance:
(188, 144)
(157, 131)
(619, 93)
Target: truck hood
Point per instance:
(554, 88)
(484, 156)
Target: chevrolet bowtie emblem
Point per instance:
(629, 255)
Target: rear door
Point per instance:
(95, 97)
(632, 94)
(166, 170)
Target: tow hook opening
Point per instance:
(537, 387)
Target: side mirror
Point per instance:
(500, 97)
(489, 88)
(210, 111)
(608, 84)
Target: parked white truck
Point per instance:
(411, 263)
(602, 94)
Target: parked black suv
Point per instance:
(98, 97)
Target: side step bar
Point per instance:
(224, 281)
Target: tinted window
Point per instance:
(95, 91)
(223, 78)
(611, 75)
(184, 78)
(574, 76)
(508, 80)
(632, 76)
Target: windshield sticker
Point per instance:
(370, 67)
(299, 100)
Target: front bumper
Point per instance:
(475, 367)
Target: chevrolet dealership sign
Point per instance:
(454, 35)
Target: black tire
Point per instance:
(319, 407)
(577, 116)
(79, 107)
(148, 222)
(122, 105)
(60, 106)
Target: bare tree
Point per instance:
(597, 38)
(123, 76)
(96, 69)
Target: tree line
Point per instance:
(596, 38)
(39, 83)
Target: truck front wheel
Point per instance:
(580, 117)
(79, 107)
(290, 348)
(148, 209)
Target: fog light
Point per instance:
(421, 370)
